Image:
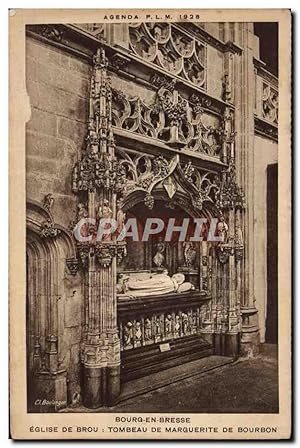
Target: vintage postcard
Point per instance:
(150, 219)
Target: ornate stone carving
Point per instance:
(269, 103)
(171, 119)
(48, 229)
(103, 251)
(149, 201)
(98, 168)
(224, 252)
(96, 29)
(48, 202)
(84, 250)
(200, 102)
(73, 265)
(119, 62)
(189, 253)
(231, 195)
(143, 172)
(239, 253)
(201, 187)
(159, 81)
(100, 350)
(171, 49)
(98, 171)
(52, 32)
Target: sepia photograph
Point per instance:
(152, 202)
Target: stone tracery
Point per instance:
(171, 119)
(171, 49)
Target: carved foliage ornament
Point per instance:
(48, 229)
(98, 171)
(104, 252)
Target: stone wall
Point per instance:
(265, 153)
(57, 85)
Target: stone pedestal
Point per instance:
(101, 372)
(232, 344)
(227, 344)
(101, 386)
(250, 332)
(50, 392)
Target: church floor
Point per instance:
(244, 386)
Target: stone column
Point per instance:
(244, 97)
(98, 180)
(233, 332)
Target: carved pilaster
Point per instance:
(99, 177)
(245, 172)
(228, 77)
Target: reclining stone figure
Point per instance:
(152, 284)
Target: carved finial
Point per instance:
(48, 202)
(100, 59)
